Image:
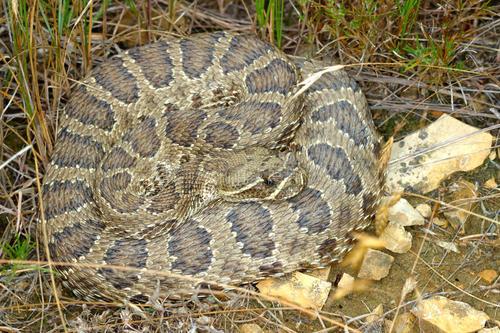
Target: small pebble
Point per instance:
(396, 238)
(346, 281)
(424, 209)
(404, 214)
(491, 183)
(488, 276)
(251, 328)
(376, 265)
(448, 246)
(440, 222)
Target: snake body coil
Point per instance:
(194, 156)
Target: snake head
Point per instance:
(271, 177)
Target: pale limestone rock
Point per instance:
(491, 183)
(304, 290)
(403, 214)
(456, 219)
(437, 153)
(396, 238)
(375, 314)
(374, 320)
(346, 281)
(440, 314)
(488, 276)
(347, 285)
(447, 245)
(424, 209)
(376, 265)
(251, 328)
(463, 195)
(405, 323)
(440, 222)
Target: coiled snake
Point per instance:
(196, 156)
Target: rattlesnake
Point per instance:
(197, 156)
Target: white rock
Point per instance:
(424, 209)
(443, 315)
(396, 238)
(423, 159)
(403, 214)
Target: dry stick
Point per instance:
(148, 9)
(29, 306)
(442, 203)
(147, 320)
(19, 307)
(468, 237)
(309, 81)
(409, 83)
(172, 317)
(421, 152)
(13, 157)
(166, 274)
(421, 103)
(455, 286)
(88, 64)
(315, 76)
(268, 321)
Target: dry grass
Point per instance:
(416, 60)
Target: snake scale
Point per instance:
(196, 157)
